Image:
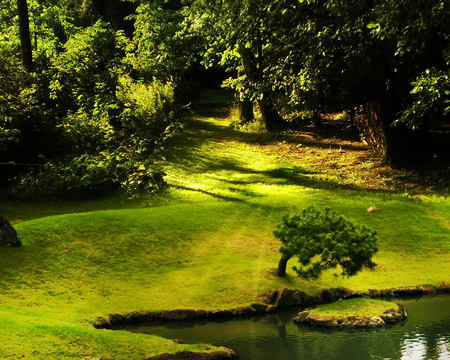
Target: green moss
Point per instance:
(360, 307)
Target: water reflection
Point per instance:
(414, 348)
(444, 348)
(424, 336)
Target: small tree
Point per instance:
(323, 241)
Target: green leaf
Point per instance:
(373, 25)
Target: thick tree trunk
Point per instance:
(269, 113)
(245, 111)
(374, 129)
(397, 145)
(282, 265)
(25, 38)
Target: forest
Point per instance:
(160, 158)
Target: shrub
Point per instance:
(324, 240)
(106, 125)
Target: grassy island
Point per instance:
(353, 313)
(354, 307)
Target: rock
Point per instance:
(259, 308)
(408, 291)
(333, 294)
(443, 288)
(221, 314)
(8, 235)
(188, 355)
(373, 209)
(362, 322)
(183, 314)
(283, 298)
(323, 321)
(301, 317)
(179, 341)
(243, 311)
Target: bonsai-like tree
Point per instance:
(324, 240)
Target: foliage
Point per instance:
(430, 98)
(162, 44)
(85, 123)
(323, 241)
(91, 174)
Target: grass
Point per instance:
(206, 243)
(360, 307)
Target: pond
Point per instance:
(424, 336)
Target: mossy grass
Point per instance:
(206, 243)
(360, 307)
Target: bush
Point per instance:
(323, 241)
(88, 174)
(105, 125)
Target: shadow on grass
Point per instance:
(214, 195)
(189, 152)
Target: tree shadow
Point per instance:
(189, 152)
(214, 195)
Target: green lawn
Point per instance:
(206, 243)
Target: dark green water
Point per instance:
(424, 336)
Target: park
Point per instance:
(212, 179)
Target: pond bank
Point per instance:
(268, 303)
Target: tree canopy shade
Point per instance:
(386, 61)
(237, 37)
(323, 241)
(92, 68)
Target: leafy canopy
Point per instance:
(326, 240)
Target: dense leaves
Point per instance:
(83, 122)
(326, 240)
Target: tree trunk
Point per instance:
(25, 38)
(245, 111)
(269, 113)
(397, 145)
(317, 119)
(374, 129)
(271, 117)
(282, 265)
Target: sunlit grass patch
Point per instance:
(206, 243)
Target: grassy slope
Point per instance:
(207, 244)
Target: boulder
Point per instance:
(362, 322)
(8, 235)
(333, 294)
(283, 298)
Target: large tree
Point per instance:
(237, 37)
(387, 58)
(25, 38)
